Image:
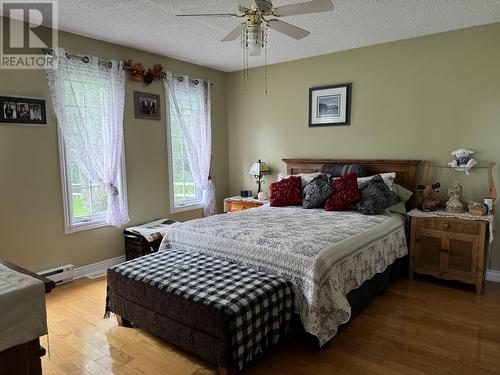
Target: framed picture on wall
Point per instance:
(23, 111)
(146, 106)
(330, 105)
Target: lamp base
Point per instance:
(258, 180)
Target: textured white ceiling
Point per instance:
(151, 25)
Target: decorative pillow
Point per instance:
(305, 177)
(339, 170)
(317, 192)
(404, 195)
(376, 197)
(345, 193)
(387, 177)
(286, 192)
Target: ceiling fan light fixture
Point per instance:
(254, 38)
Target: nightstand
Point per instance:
(145, 239)
(450, 246)
(240, 203)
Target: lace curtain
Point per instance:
(88, 100)
(191, 102)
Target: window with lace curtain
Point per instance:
(185, 195)
(83, 96)
(85, 203)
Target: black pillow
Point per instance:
(339, 170)
(317, 192)
(376, 197)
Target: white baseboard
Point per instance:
(97, 269)
(492, 275)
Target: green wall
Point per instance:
(31, 211)
(420, 98)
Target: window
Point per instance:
(184, 194)
(85, 203)
(84, 95)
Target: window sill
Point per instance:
(79, 227)
(186, 207)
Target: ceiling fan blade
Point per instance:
(287, 29)
(233, 35)
(315, 6)
(211, 15)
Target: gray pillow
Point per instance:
(339, 170)
(317, 192)
(376, 197)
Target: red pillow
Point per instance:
(286, 192)
(345, 193)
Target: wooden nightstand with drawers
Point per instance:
(451, 247)
(239, 203)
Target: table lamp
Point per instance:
(258, 170)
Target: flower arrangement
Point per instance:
(156, 72)
(136, 71)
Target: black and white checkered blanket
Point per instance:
(259, 305)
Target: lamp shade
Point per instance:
(258, 169)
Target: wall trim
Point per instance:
(492, 275)
(97, 269)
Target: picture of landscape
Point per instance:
(329, 105)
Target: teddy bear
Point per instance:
(429, 202)
(463, 160)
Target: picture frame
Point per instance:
(330, 105)
(147, 106)
(23, 111)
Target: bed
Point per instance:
(336, 262)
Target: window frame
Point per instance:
(96, 221)
(189, 205)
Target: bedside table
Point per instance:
(239, 203)
(145, 239)
(450, 246)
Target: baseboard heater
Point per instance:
(60, 275)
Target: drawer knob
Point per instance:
(446, 225)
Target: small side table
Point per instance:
(450, 246)
(146, 238)
(240, 203)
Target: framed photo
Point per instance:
(25, 111)
(330, 105)
(147, 106)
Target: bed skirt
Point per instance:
(361, 297)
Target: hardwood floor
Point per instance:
(415, 328)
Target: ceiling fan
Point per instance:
(254, 31)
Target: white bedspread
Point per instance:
(323, 254)
(22, 308)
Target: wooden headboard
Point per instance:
(406, 170)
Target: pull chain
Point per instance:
(265, 69)
(247, 58)
(244, 63)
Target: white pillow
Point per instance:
(305, 178)
(387, 177)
